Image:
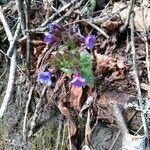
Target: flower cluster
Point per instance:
(82, 61)
(52, 36)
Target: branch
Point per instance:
(57, 13)
(13, 42)
(27, 17)
(13, 64)
(20, 8)
(146, 45)
(135, 73)
(5, 25)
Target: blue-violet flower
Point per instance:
(89, 41)
(49, 38)
(44, 77)
(73, 30)
(78, 81)
(53, 26)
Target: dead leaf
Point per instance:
(38, 42)
(106, 63)
(111, 25)
(146, 87)
(110, 97)
(88, 129)
(117, 75)
(86, 105)
(38, 50)
(139, 13)
(72, 125)
(76, 97)
(45, 55)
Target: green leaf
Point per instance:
(71, 46)
(85, 64)
(67, 70)
(65, 62)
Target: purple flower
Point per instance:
(73, 30)
(78, 81)
(44, 77)
(89, 41)
(49, 38)
(53, 26)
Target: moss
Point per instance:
(45, 138)
(3, 134)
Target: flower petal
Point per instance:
(44, 77)
(78, 81)
(90, 41)
(49, 38)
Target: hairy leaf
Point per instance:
(85, 65)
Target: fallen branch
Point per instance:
(135, 75)
(20, 8)
(13, 64)
(13, 42)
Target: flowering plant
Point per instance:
(71, 56)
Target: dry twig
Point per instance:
(26, 113)
(63, 136)
(27, 19)
(98, 29)
(33, 122)
(146, 47)
(112, 145)
(5, 25)
(88, 130)
(20, 8)
(59, 132)
(68, 13)
(57, 13)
